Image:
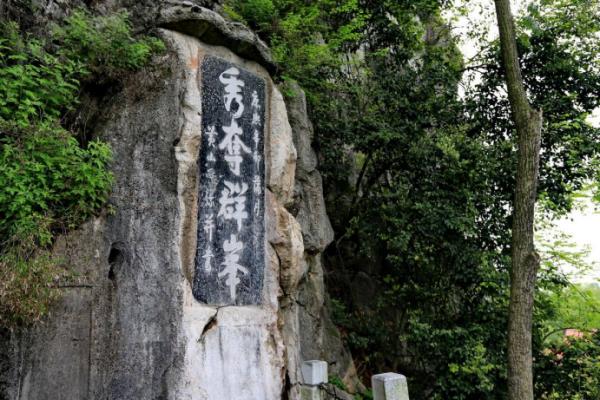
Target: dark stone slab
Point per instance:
(230, 254)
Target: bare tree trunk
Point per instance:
(525, 260)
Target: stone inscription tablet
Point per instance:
(230, 254)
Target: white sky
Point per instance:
(583, 224)
(584, 228)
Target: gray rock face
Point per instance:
(229, 352)
(130, 328)
(114, 334)
(197, 18)
(305, 307)
(309, 205)
(193, 19)
(331, 392)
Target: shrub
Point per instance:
(27, 286)
(569, 370)
(50, 182)
(105, 42)
(35, 85)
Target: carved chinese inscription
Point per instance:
(230, 254)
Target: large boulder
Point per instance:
(130, 325)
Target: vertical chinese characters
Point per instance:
(232, 201)
(256, 126)
(232, 143)
(230, 251)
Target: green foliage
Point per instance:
(27, 286)
(366, 395)
(410, 218)
(304, 37)
(560, 58)
(420, 182)
(573, 307)
(337, 382)
(261, 14)
(38, 84)
(569, 370)
(35, 85)
(477, 370)
(429, 214)
(565, 367)
(51, 182)
(105, 42)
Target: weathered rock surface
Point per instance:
(331, 392)
(193, 19)
(130, 327)
(230, 352)
(196, 18)
(282, 152)
(309, 205)
(305, 308)
(115, 335)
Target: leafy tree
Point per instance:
(525, 260)
(559, 57)
(575, 307)
(420, 182)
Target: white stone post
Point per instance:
(314, 373)
(389, 386)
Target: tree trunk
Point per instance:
(525, 260)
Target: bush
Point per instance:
(569, 370)
(27, 286)
(50, 182)
(35, 85)
(105, 42)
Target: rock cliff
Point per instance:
(131, 328)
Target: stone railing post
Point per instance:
(314, 374)
(389, 386)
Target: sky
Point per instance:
(582, 224)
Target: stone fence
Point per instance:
(387, 386)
